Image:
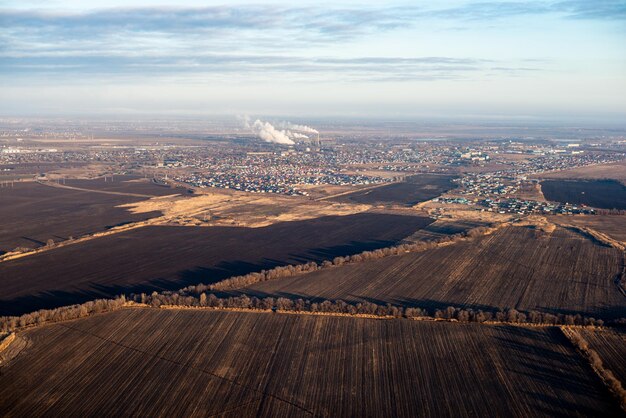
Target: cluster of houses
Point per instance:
(519, 206)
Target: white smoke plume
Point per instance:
(300, 128)
(267, 132)
(296, 135)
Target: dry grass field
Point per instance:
(32, 213)
(147, 362)
(616, 171)
(611, 346)
(171, 257)
(516, 267)
(221, 207)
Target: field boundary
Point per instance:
(614, 385)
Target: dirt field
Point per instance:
(515, 267)
(611, 347)
(414, 190)
(528, 191)
(28, 171)
(32, 213)
(146, 362)
(170, 257)
(125, 184)
(605, 194)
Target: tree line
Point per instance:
(210, 300)
(614, 385)
(363, 308)
(65, 313)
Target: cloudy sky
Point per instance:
(515, 59)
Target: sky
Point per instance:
(528, 60)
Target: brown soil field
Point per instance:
(605, 194)
(148, 362)
(413, 190)
(171, 257)
(611, 225)
(32, 213)
(515, 267)
(17, 171)
(125, 184)
(611, 347)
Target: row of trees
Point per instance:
(515, 316)
(363, 308)
(11, 323)
(239, 282)
(614, 385)
(278, 304)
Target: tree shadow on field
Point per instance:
(432, 305)
(33, 240)
(555, 406)
(599, 312)
(537, 361)
(351, 248)
(603, 312)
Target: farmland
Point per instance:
(413, 190)
(611, 346)
(170, 257)
(515, 267)
(611, 225)
(33, 213)
(144, 362)
(605, 194)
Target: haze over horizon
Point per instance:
(526, 59)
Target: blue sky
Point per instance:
(516, 59)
